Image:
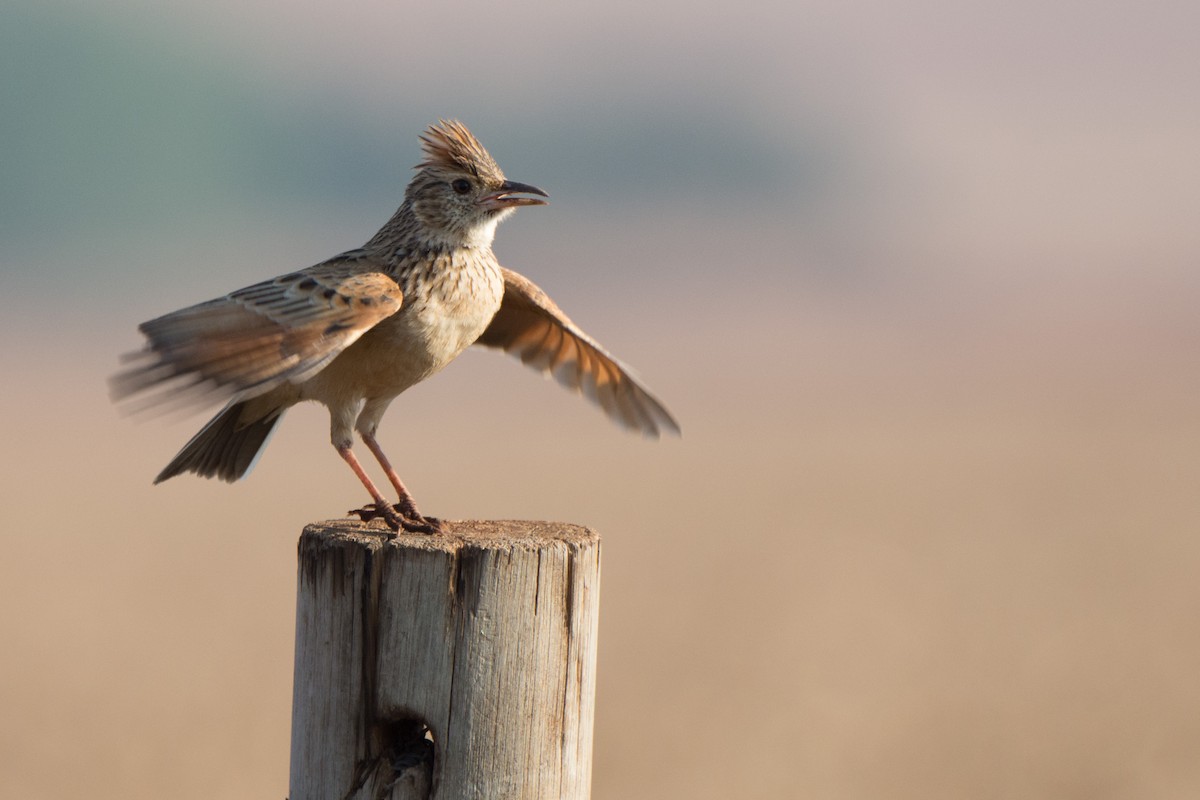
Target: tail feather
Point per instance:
(225, 448)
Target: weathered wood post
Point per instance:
(461, 665)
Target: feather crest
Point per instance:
(449, 145)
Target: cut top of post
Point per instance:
(479, 533)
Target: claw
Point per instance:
(395, 520)
(426, 525)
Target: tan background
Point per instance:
(919, 282)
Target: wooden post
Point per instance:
(461, 665)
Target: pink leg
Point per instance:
(406, 504)
(394, 519)
(348, 455)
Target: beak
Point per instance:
(509, 196)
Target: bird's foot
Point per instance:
(396, 520)
(427, 525)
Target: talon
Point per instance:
(426, 525)
(385, 512)
(366, 513)
(397, 520)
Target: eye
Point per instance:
(461, 186)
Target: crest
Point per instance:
(449, 145)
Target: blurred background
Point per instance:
(919, 281)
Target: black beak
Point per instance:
(509, 196)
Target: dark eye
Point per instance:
(462, 186)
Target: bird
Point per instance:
(353, 332)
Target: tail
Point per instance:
(225, 448)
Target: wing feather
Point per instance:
(530, 326)
(250, 341)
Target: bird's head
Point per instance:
(459, 193)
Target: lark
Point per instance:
(355, 331)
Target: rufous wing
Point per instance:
(530, 326)
(254, 339)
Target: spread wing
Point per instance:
(248, 342)
(529, 325)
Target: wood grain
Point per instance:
(459, 665)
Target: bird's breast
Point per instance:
(449, 301)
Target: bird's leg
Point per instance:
(405, 504)
(382, 508)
